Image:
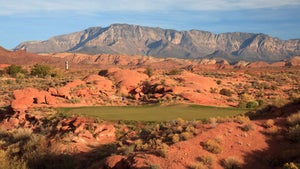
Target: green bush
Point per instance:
(252, 104)
(226, 92)
(13, 70)
(174, 72)
(41, 70)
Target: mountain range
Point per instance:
(158, 42)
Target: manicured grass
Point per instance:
(153, 112)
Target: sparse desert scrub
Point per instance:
(246, 127)
(149, 71)
(198, 165)
(41, 70)
(226, 92)
(212, 146)
(186, 135)
(294, 119)
(268, 123)
(155, 166)
(224, 119)
(241, 119)
(252, 104)
(291, 165)
(272, 130)
(213, 122)
(14, 70)
(174, 72)
(231, 163)
(206, 160)
(294, 133)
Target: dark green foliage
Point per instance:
(174, 72)
(218, 82)
(13, 70)
(252, 104)
(226, 92)
(41, 70)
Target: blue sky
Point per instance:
(24, 20)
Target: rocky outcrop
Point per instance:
(25, 98)
(139, 40)
(127, 80)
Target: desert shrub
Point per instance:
(218, 82)
(224, 119)
(279, 101)
(8, 163)
(198, 165)
(272, 130)
(41, 70)
(174, 72)
(252, 104)
(246, 127)
(175, 138)
(294, 119)
(155, 166)
(242, 104)
(163, 150)
(186, 135)
(126, 149)
(149, 71)
(241, 119)
(213, 122)
(21, 147)
(294, 133)
(207, 160)
(213, 90)
(268, 124)
(231, 163)
(291, 165)
(74, 100)
(13, 70)
(226, 92)
(212, 146)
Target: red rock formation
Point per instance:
(25, 98)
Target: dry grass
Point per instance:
(294, 119)
(212, 146)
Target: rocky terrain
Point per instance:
(147, 41)
(34, 134)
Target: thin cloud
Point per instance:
(32, 6)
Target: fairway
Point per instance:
(152, 112)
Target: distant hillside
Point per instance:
(139, 40)
(22, 57)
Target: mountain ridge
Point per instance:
(158, 42)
